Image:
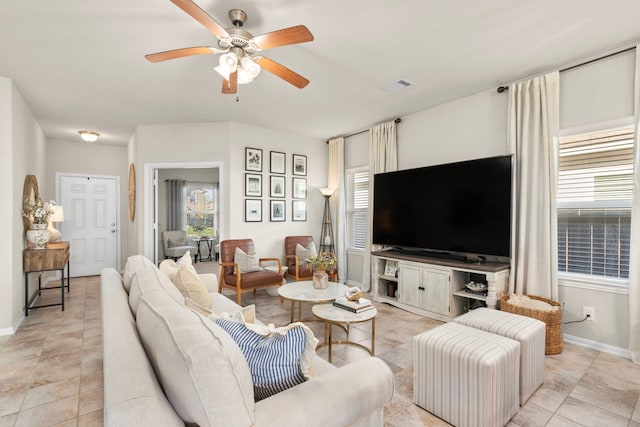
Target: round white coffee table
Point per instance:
(343, 318)
(304, 291)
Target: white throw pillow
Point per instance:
(304, 254)
(247, 262)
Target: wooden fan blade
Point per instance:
(179, 53)
(201, 16)
(230, 86)
(291, 35)
(283, 72)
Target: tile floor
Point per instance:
(51, 369)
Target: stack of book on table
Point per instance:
(358, 306)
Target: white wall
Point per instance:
(226, 142)
(23, 143)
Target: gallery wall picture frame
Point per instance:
(277, 210)
(299, 186)
(277, 186)
(253, 185)
(252, 210)
(299, 210)
(253, 159)
(299, 164)
(277, 162)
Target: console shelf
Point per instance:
(435, 287)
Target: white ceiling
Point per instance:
(80, 63)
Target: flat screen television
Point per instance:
(461, 208)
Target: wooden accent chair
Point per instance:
(244, 281)
(295, 267)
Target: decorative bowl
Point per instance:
(477, 287)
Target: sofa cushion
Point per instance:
(200, 367)
(150, 279)
(134, 263)
(248, 313)
(274, 359)
(247, 261)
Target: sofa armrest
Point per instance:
(342, 397)
(210, 280)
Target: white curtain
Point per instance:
(634, 255)
(337, 201)
(175, 205)
(383, 157)
(533, 140)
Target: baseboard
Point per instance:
(595, 345)
(7, 331)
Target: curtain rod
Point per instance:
(600, 58)
(396, 121)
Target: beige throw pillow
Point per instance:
(247, 262)
(190, 286)
(248, 313)
(304, 254)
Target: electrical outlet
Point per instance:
(589, 311)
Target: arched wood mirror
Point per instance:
(29, 192)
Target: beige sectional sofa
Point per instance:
(166, 365)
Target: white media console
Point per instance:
(434, 287)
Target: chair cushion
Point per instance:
(304, 254)
(274, 357)
(303, 271)
(247, 262)
(200, 367)
(256, 279)
(172, 243)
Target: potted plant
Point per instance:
(38, 213)
(320, 264)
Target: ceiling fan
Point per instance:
(239, 63)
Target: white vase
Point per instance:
(320, 279)
(38, 236)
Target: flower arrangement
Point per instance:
(322, 262)
(38, 212)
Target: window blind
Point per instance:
(357, 184)
(595, 183)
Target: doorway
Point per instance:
(91, 223)
(155, 199)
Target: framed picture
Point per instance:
(277, 162)
(299, 188)
(277, 186)
(277, 210)
(299, 164)
(391, 268)
(299, 209)
(253, 159)
(252, 185)
(252, 210)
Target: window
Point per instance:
(595, 182)
(201, 209)
(357, 183)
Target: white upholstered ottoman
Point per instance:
(466, 376)
(529, 332)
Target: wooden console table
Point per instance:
(54, 257)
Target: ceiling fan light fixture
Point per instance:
(250, 66)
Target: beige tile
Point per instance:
(558, 421)
(50, 413)
(8, 420)
(91, 401)
(636, 413)
(91, 381)
(589, 415)
(547, 398)
(51, 392)
(608, 392)
(11, 400)
(531, 415)
(92, 419)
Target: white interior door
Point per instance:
(90, 222)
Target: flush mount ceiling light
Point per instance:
(88, 135)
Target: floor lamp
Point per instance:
(326, 235)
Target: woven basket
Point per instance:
(553, 320)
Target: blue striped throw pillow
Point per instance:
(274, 361)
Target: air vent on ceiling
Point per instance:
(398, 85)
